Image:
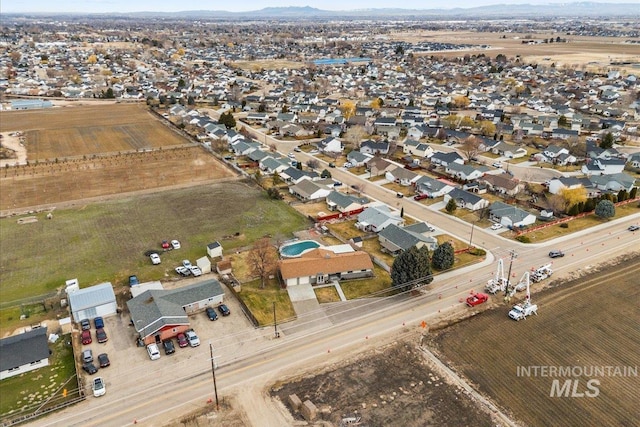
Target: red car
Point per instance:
(420, 197)
(477, 299)
(86, 337)
(182, 340)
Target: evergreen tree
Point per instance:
(607, 141)
(605, 209)
(451, 206)
(633, 193)
(443, 257)
(411, 269)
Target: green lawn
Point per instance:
(374, 286)
(107, 241)
(260, 302)
(24, 393)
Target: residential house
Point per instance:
(509, 151)
(395, 239)
(444, 159)
(557, 184)
(465, 172)
(337, 201)
(561, 133)
(551, 153)
(273, 165)
(307, 190)
(322, 265)
(433, 187)
(357, 158)
(376, 218)
(374, 147)
(502, 184)
(417, 148)
(466, 200)
(331, 145)
(604, 167)
(402, 176)
(23, 352)
(163, 314)
(379, 166)
(614, 182)
(510, 216)
(294, 176)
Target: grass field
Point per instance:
(87, 130)
(591, 321)
(106, 241)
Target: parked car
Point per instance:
(175, 244)
(634, 227)
(133, 280)
(291, 156)
(477, 299)
(193, 339)
(496, 226)
(99, 387)
(183, 271)
(211, 314)
(195, 270)
(182, 340)
(155, 259)
(556, 254)
(103, 360)
(297, 149)
(168, 346)
(399, 195)
(153, 351)
(420, 197)
(348, 165)
(497, 165)
(165, 245)
(186, 263)
(101, 335)
(89, 368)
(87, 356)
(98, 322)
(85, 324)
(332, 165)
(224, 310)
(337, 184)
(86, 337)
(314, 151)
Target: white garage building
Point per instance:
(91, 302)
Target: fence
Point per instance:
(338, 215)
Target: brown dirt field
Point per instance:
(54, 183)
(589, 321)
(91, 129)
(592, 53)
(415, 395)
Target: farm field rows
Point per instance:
(83, 131)
(588, 322)
(53, 183)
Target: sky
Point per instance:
(102, 6)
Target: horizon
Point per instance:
(164, 6)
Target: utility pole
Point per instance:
(213, 371)
(473, 224)
(275, 322)
(513, 256)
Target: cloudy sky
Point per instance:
(100, 6)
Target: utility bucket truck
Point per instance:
(525, 309)
(541, 273)
(499, 282)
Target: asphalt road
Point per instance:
(153, 398)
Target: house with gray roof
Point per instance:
(444, 159)
(465, 172)
(604, 166)
(432, 187)
(377, 218)
(417, 148)
(379, 166)
(357, 158)
(337, 201)
(374, 147)
(307, 190)
(569, 182)
(466, 200)
(614, 182)
(395, 239)
(510, 216)
(293, 175)
(23, 352)
(163, 314)
(272, 165)
(503, 184)
(402, 176)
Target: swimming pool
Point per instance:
(292, 250)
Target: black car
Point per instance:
(85, 324)
(634, 227)
(103, 359)
(90, 368)
(211, 314)
(224, 310)
(168, 346)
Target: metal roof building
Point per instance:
(91, 302)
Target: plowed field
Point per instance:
(589, 322)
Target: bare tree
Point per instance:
(262, 260)
(313, 163)
(471, 147)
(354, 135)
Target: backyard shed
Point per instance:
(214, 249)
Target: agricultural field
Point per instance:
(591, 321)
(68, 180)
(107, 241)
(56, 133)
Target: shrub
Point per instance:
(564, 225)
(523, 239)
(478, 252)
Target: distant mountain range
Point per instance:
(575, 9)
